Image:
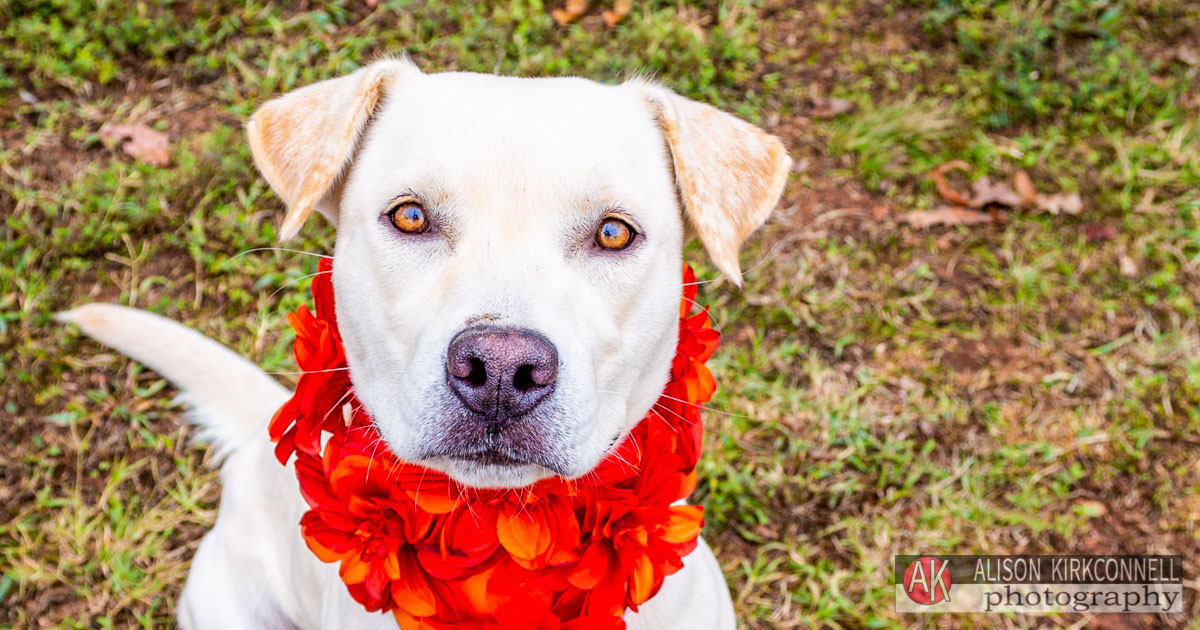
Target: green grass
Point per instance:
(1005, 389)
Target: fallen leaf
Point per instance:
(1061, 203)
(1188, 56)
(880, 211)
(1025, 188)
(830, 107)
(141, 142)
(945, 215)
(983, 192)
(1146, 205)
(620, 9)
(1129, 269)
(1021, 194)
(572, 10)
(767, 532)
(1100, 232)
(944, 188)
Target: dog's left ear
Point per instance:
(730, 173)
(304, 141)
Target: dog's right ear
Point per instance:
(729, 173)
(304, 141)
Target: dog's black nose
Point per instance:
(501, 373)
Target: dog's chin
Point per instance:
(482, 474)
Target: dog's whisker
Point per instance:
(761, 261)
(374, 450)
(298, 372)
(709, 409)
(628, 463)
(421, 482)
(338, 404)
(279, 249)
(366, 427)
(688, 402)
(294, 281)
(710, 321)
(659, 407)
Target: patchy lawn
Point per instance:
(1027, 385)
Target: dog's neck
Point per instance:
(560, 553)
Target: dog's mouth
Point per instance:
(491, 457)
(476, 446)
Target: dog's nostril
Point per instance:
(523, 379)
(478, 374)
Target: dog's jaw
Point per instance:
(477, 475)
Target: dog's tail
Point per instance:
(231, 399)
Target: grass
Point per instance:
(1005, 389)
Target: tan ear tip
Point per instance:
(253, 125)
(785, 162)
(731, 269)
(289, 228)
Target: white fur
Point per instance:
(516, 174)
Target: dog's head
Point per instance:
(508, 252)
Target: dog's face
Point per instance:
(508, 259)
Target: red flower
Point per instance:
(559, 555)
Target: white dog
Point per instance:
(522, 234)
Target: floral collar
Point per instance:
(557, 555)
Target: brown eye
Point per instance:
(409, 218)
(613, 233)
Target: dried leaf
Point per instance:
(620, 9)
(944, 188)
(572, 10)
(1061, 203)
(945, 215)
(1096, 232)
(1129, 269)
(830, 107)
(1188, 56)
(983, 192)
(767, 532)
(141, 142)
(1146, 205)
(1025, 188)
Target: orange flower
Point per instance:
(559, 555)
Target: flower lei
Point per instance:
(557, 555)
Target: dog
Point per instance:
(537, 222)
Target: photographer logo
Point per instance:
(927, 581)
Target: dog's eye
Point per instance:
(409, 217)
(614, 234)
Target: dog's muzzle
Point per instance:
(501, 373)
